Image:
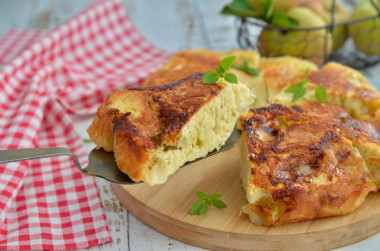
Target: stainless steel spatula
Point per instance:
(101, 163)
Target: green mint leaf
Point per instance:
(294, 22)
(239, 67)
(227, 62)
(219, 204)
(210, 77)
(320, 93)
(86, 140)
(299, 93)
(201, 206)
(267, 9)
(214, 195)
(203, 209)
(305, 74)
(201, 195)
(249, 70)
(208, 201)
(245, 67)
(227, 11)
(252, 71)
(299, 90)
(296, 87)
(279, 18)
(241, 5)
(195, 208)
(220, 71)
(240, 8)
(231, 78)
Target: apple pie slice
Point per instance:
(187, 62)
(345, 87)
(295, 167)
(281, 72)
(155, 130)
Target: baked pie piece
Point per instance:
(281, 72)
(183, 64)
(364, 135)
(187, 62)
(345, 87)
(155, 130)
(296, 167)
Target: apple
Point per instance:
(366, 34)
(305, 44)
(341, 14)
(278, 5)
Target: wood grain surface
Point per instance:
(166, 208)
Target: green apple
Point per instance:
(341, 14)
(366, 34)
(278, 5)
(305, 44)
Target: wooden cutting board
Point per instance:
(166, 208)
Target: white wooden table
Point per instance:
(173, 25)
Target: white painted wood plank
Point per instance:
(13, 16)
(48, 14)
(144, 238)
(37, 14)
(169, 24)
(43, 15)
(373, 75)
(220, 28)
(64, 9)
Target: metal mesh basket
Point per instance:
(272, 40)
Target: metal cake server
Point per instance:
(101, 163)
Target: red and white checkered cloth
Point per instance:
(48, 203)
(15, 42)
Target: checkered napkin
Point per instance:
(48, 203)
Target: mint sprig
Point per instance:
(239, 8)
(267, 10)
(212, 77)
(243, 9)
(321, 93)
(201, 206)
(279, 18)
(299, 89)
(245, 67)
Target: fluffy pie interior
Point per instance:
(207, 130)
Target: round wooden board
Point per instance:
(166, 208)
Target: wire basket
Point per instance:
(270, 40)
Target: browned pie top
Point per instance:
(341, 81)
(277, 130)
(280, 72)
(303, 162)
(338, 118)
(338, 80)
(152, 117)
(184, 64)
(161, 111)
